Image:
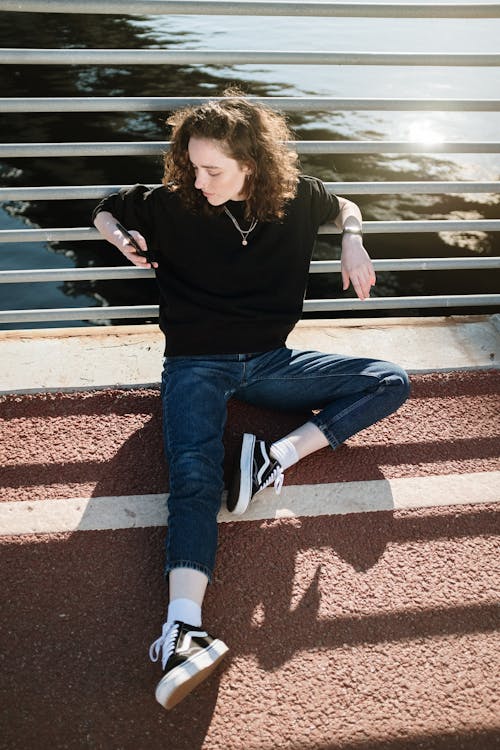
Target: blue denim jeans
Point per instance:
(351, 394)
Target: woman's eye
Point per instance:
(214, 174)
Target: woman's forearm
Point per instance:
(105, 223)
(349, 215)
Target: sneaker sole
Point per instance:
(175, 685)
(244, 478)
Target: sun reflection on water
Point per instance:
(425, 132)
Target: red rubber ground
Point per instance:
(109, 442)
(374, 631)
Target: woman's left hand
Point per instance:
(356, 266)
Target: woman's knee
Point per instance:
(397, 380)
(193, 472)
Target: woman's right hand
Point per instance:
(128, 250)
(105, 222)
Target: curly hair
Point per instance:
(251, 133)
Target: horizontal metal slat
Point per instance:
(397, 303)
(127, 57)
(369, 227)
(395, 147)
(45, 275)
(94, 192)
(417, 188)
(78, 313)
(261, 8)
(154, 148)
(317, 266)
(414, 264)
(313, 305)
(419, 227)
(282, 103)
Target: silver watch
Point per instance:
(352, 230)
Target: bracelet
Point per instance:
(352, 230)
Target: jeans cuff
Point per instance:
(188, 564)
(325, 429)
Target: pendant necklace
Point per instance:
(244, 233)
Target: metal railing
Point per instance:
(287, 104)
(153, 148)
(317, 266)
(80, 192)
(237, 57)
(259, 8)
(369, 227)
(282, 103)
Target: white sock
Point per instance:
(185, 610)
(284, 452)
(297, 444)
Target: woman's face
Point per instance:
(219, 177)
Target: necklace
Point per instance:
(244, 233)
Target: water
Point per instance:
(225, 33)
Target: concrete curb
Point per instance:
(62, 359)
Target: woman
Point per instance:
(231, 232)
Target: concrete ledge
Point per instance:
(59, 359)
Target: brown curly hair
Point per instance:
(251, 133)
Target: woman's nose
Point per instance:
(199, 181)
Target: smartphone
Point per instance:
(134, 242)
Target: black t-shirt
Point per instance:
(218, 296)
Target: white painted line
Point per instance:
(142, 511)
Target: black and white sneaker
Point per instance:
(254, 471)
(188, 656)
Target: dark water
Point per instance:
(56, 30)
